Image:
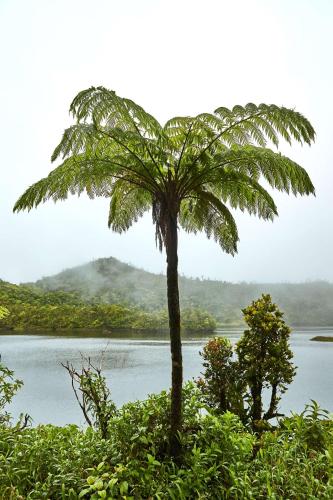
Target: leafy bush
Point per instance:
(295, 461)
(48, 461)
(311, 426)
(223, 387)
(92, 394)
(264, 362)
(8, 388)
(265, 357)
(3, 312)
(143, 468)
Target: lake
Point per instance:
(138, 364)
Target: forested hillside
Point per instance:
(34, 309)
(107, 294)
(111, 281)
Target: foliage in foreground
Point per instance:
(8, 388)
(221, 458)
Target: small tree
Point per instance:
(222, 385)
(263, 363)
(8, 385)
(8, 388)
(265, 357)
(92, 395)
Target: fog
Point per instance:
(173, 58)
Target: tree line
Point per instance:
(32, 309)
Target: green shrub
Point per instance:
(296, 461)
(222, 386)
(48, 461)
(92, 394)
(264, 362)
(8, 388)
(216, 450)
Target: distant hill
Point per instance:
(110, 281)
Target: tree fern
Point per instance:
(192, 171)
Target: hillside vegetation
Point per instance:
(33, 309)
(110, 281)
(108, 294)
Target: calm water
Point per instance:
(136, 365)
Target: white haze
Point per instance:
(174, 58)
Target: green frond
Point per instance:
(245, 193)
(249, 125)
(128, 203)
(116, 144)
(288, 123)
(203, 163)
(178, 122)
(266, 121)
(124, 122)
(204, 212)
(216, 127)
(77, 175)
(280, 171)
(176, 130)
(143, 121)
(105, 108)
(76, 139)
(267, 129)
(212, 121)
(74, 176)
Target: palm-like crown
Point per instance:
(194, 168)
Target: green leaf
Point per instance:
(123, 487)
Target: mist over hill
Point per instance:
(110, 281)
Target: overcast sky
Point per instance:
(173, 57)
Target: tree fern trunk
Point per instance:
(175, 338)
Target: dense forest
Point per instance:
(110, 281)
(32, 309)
